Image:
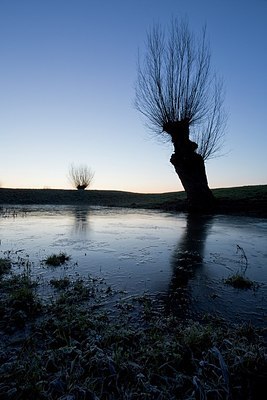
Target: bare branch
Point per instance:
(175, 83)
(210, 136)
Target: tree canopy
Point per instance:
(80, 176)
(175, 83)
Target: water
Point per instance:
(141, 251)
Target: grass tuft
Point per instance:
(239, 281)
(60, 283)
(57, 259)
(5, 266)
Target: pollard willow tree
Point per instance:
(182, 100)
(80, 176)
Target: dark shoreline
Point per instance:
(245, 200)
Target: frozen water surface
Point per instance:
(142, 251)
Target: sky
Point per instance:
(67, 75)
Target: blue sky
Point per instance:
(67, 74)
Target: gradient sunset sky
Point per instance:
(67, 75)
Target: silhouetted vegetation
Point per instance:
(182, 100)
(245, 200)
(80, 176)
(239, 280)
(5, 265)
(57, 259)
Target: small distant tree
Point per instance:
(80, 176)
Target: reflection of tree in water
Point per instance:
(186, 260)
(81, 220)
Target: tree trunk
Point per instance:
(81, 187)
(190, 167)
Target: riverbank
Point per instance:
(244, 200)
(75, 347)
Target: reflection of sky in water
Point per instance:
(138, 251)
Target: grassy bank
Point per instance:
(248, 200)
(75, 347)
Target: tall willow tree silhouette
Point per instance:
(182, 100)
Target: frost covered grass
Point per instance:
(57, 259)
(5, 265)
(88, 343)
(239, 280)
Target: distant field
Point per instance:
(248, 200)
